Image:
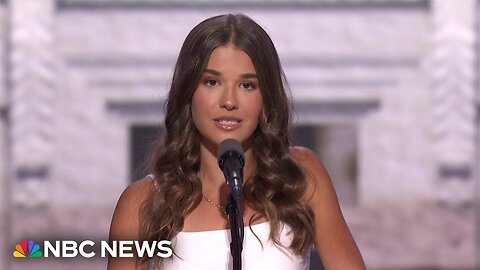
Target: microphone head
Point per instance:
(230, 148)
(229, 145)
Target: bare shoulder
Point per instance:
(320, 193)
(126, 218)
(314, 171)
(306, 158)
(126, 221)
(333, 240)
(137, 191)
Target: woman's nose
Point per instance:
(229, 99)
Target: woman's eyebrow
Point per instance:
(212, 71)
(218, 73)
(249, 76)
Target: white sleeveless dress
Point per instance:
(210, 250)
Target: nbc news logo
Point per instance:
(72, 249)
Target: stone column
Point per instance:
(453, 66)
(31, 96)
(453, 84)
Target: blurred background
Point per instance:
(386, 92)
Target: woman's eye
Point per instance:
(211, 82)
(248, 85)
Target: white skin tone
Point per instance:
(227, 104)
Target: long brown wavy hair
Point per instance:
(276, 186)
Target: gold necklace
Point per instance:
(221, 207)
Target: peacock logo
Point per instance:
(27, 249)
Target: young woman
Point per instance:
(228, 83)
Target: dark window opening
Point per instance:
(141, 142)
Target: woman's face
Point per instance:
(227, 101)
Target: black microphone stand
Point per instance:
(234, 211)
(231, 161)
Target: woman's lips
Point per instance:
(227, 124)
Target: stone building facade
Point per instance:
(386, 92)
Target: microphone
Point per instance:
(231, 161)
